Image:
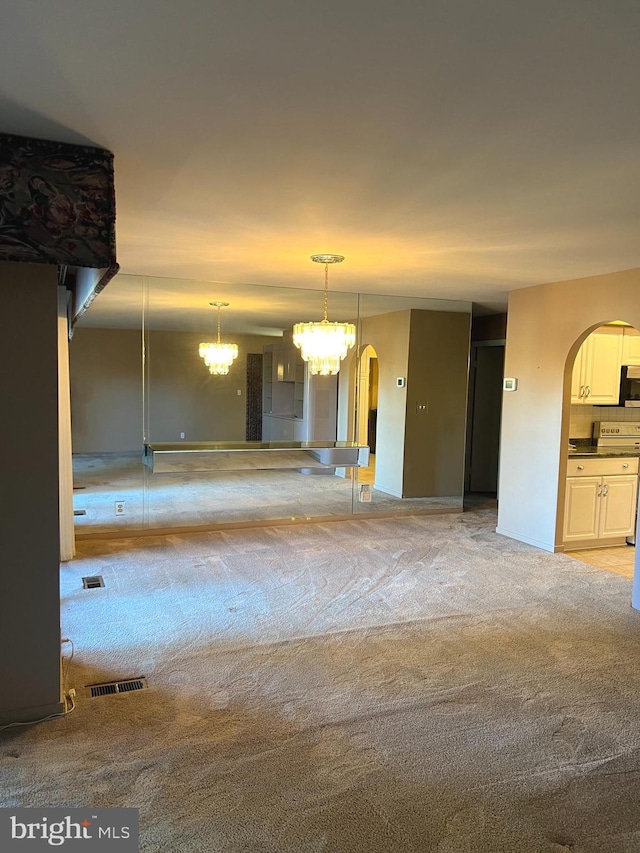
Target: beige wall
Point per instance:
(106, 390)
(181, 395)
(420, 455)
(30, 587)
(437, 377)
(546, 325)
(388, 334)
(184, 397)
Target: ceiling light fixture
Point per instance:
(323, 345)
(218, 357)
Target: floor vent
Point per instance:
(113, 687)
(79, 512)
(92, 582)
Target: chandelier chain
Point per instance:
(219, 308)
(326, 293)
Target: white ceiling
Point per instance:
(179, 305)
(449, 148)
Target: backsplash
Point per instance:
(583, 417)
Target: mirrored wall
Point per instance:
(162, 440)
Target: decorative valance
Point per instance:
(57, 205)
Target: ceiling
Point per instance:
(179, 305)
(448, 148)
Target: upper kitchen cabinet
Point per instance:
(596, 371)
(287, 361)
(630, 346)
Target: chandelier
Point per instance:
(323, 345)
(218, 357)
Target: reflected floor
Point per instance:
(191, 499)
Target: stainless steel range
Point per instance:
(616, 434)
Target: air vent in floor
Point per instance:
(79, 512)
(112, 687)
(92, 582)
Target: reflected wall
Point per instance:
(401, 392)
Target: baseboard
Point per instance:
(31, 714)
(585, 544)
(544, 546)
(137, 532)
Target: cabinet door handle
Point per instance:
(626, 465)
(587, 391)
(599, 492)
(580, 467)
(581, 394)
(605, 491)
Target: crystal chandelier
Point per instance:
(323, 345)
(218, 357)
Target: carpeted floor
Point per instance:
(197, 499)
(413, 684)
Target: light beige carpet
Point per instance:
(415, 684)
(191, 499)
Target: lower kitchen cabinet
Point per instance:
(600, 506)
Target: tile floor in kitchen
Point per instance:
(619, 559)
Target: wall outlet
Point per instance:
(365, 493)
(239, 392)
(119, 507)
(181, 435)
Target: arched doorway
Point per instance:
(367, 408)
(598, 505)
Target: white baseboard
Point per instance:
(544, 546)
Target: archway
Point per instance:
(597, 504)
(367, 408)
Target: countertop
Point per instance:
(590, 450)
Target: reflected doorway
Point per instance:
(367, 384)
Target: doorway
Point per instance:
(367, 409)
(485, 410)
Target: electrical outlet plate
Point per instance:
(119, 507)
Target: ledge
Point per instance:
(253, 455)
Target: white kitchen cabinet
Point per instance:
(296, 406)
(630, 346)
(277, 429)
(596, 371)
(618, 506)
(287, 360)
(581, 508)
(600, 500)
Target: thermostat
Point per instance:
(510, 384)
(401, 381)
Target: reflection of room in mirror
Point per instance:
(268, 396)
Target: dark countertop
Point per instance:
(590, 450)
